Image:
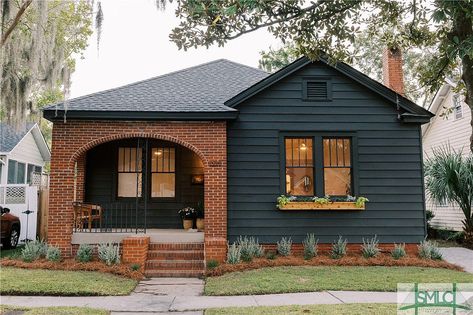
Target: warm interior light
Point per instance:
(159, 152)
(303, 147)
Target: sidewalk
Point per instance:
(459, 256)
(143, 302)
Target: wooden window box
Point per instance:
(336, 205)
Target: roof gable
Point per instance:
(200, 89)
(11, 137)
(414, 113)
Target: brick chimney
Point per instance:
(393, 76)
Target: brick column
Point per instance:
(61, 194)
(135, 250)
(80, 178)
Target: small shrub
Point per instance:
(271, 255)
(34, 250)
(284, 246)
(339, 248)
(429, 250)
(310, 246)
(84, 253)
(370, 248)
(109, 253)
(249, 248)
(398, 251)
(135, 267)
(234, 254)
(212, 264)
(435, 253)
(53, 254)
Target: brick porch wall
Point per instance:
(135, 250)
(71, 141)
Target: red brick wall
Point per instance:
(393, 76)
(71, 141)
(135, 250)
(325, 248)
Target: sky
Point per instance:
(135, 46)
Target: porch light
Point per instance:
(159, 152)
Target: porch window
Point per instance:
(299, 167)
(16, 172)
(129, 172)
(163, 172)
(337, 166)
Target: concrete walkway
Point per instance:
(459, 256)
(140, 303)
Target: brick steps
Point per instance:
(175, 260)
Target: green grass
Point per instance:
(16, 281)
(307, 279)
(337, 309)
(4, 309)
(12, 253)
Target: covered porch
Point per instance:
(136, 184)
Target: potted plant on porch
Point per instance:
(187, 215)
(199, 217)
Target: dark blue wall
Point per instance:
(389, 163)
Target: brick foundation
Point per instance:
(72, 140)
(135, 250)
(297, 249)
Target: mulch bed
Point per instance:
(72, 265)
(324, 260)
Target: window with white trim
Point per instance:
(16, 172)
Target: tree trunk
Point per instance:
(463, 29)
(15, 21)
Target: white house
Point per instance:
(23, 151)
(454, 130)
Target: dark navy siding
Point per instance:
(388, 154)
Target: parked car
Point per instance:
(10, 228)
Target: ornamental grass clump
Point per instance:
(429, 250)
(249, 248)
(53, 254)
(399, 251)
(109, 253)
(234, 254)
(370, 248)
(310, 246)
(284, 246)
(34, 250)
(339, 248)
(84, 253)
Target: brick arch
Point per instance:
(83, 149)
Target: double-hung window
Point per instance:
(130, 171)
(16, 172)
(163, 172)
(318, 165)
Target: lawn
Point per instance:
(337, 309)
(5, 309)
(307, 279)
(16, 281)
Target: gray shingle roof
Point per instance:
(203, 88)
(10, 136)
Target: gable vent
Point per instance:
(317, 90)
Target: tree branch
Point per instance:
(15, 22)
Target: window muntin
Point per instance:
(299, 166)
(337, 166)
(457, 107)
(16, 172)
(130, 170)
(163, 172)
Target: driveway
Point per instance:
(459, 256)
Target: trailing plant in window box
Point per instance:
(322, 203)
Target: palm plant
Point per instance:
(449, 177)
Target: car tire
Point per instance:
(12, 240)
